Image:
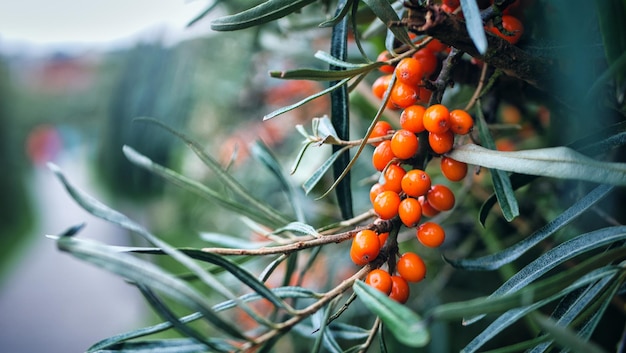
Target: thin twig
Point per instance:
(479, 87)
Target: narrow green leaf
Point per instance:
(331, 60)
(566, 337)
(325, 75)
(171, 345)
(198, 188)
(405, 325)
(510, 317)
(474, 24)
(260, 14)
(554, 162)
(227, 179)
(312, 181)
(263, 153)
(501, 182)
(300, 155)
(385, 12)
(161, 308)
(146, 273)
(229, 241)
(585, 273)
(298, 227)
(494, 261)
(611, 18)
(282, 292)
(283, 110)
(556, 256)
(339, 15)
(340, 118)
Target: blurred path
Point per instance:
(51, 302)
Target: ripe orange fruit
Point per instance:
(384, 56)
(442, 142)
(440, 197)
(437, 118)
(403, 95)
(410, 212)
(431, 234)
(415, 183)
(409, 71)
(453, 169)
(381, 128)
(461, 123)
(412, 118)
(382, 155)
(411, 267)
(379, 279)
(365, 247)
(404, 144)
(386, 204)
(393, 177)
(379, 87)
(399, 289)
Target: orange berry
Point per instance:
(379, 279)
(428, 60)
(404, 144)
(393, 177)
(399, 289)
(430, 234)
(381, 128)
(411, 267)
(441, 143)
(409, 71)
(379, 87)
(511, 24)
(382, 237)
(410, 212)
(365, 247)
(386, 204)
(440, 197)
(436, 46)
(424, 95)
(384, 56)
(461, 123)
(427, 209)
(415, 183)
(412, 118)
(375, 190)
(437, 118)
(453, 169)
(382, 155)
(404, 95)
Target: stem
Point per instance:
(479, 87)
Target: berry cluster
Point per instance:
(405, 192)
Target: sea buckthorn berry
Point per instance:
(382, 155)
(412, 118)
(411, 267)
(424, 95)
(386, 204)
(404, 144)
(415, 183)
(399, 289)
(384, 56)
(428, 60)
(461, 123)
(382, 237)
(430, 234)
(404, 95)
(410, 212)
(437, 118)
(436, 46)
(441, 143)
(393, 177)
(511, 24)
(379, 87)
(379, 279)
(427, 209)
(452, 169)
(440, 197)
(365, 247)
(381, 128)
(409, 71)
(375, 190)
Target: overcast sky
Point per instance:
(58, 22)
